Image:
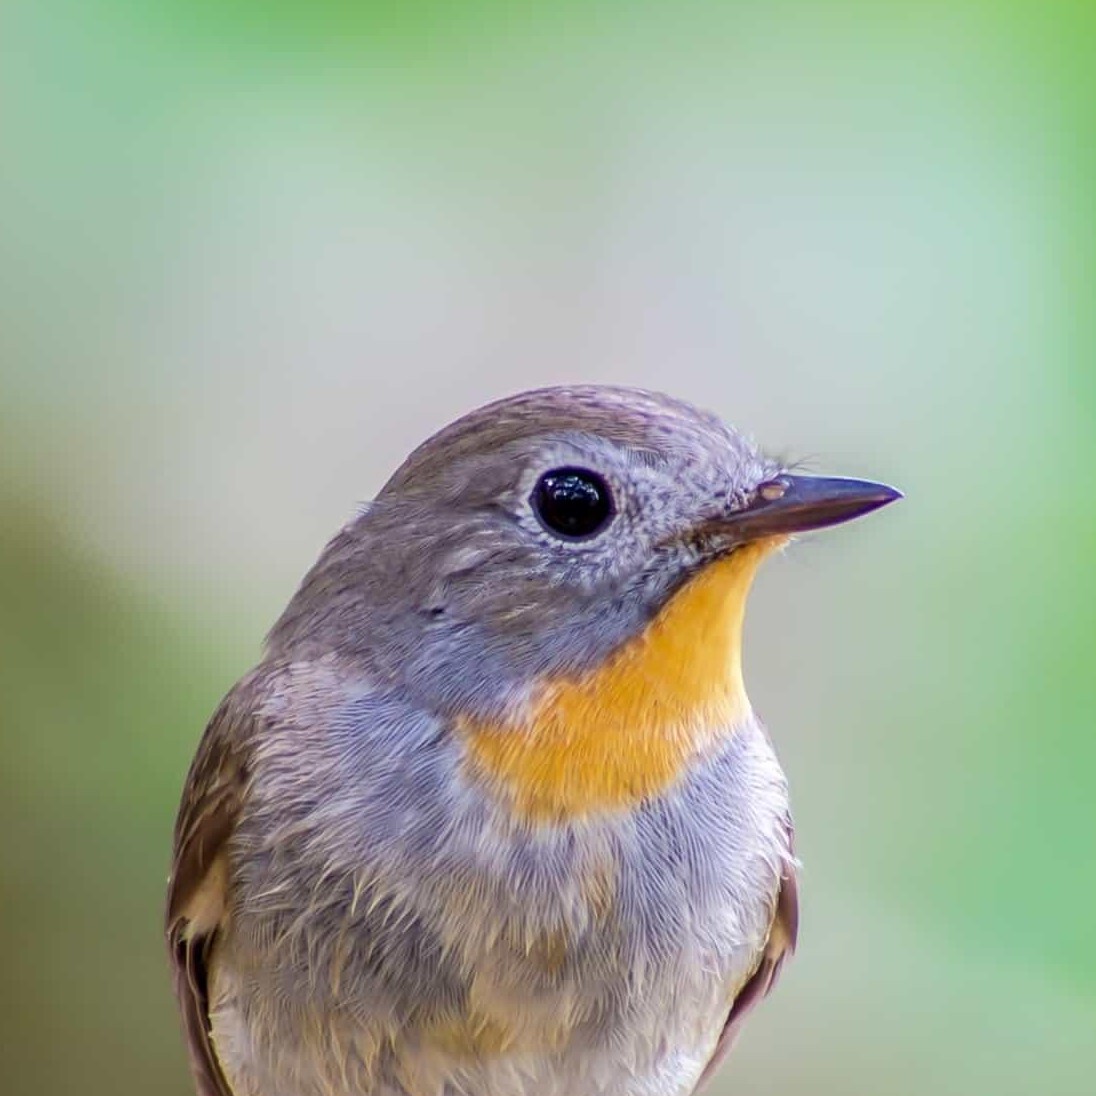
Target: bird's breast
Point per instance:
(601, 960)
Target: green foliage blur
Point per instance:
(250, 254)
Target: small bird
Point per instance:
(493, 815)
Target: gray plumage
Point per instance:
(352, 914)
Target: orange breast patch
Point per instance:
(626, 730)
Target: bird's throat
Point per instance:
(628, 729)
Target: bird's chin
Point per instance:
(723, 547)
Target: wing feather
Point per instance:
(780, 945)
(198, 886)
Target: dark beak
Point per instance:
(795, 504)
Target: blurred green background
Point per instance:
(251, 253)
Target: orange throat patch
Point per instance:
(626, 730)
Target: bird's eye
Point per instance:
(572, 502)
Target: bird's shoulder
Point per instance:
(273, 697)
(779, 947)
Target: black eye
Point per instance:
(572, 502)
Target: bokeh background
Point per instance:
(251, 253)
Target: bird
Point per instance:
(493, 814)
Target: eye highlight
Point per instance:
(573, 503)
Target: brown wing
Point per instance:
(199, 875)
(781, 944)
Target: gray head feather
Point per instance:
(450, 586)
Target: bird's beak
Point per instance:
(796, 504)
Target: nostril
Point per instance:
(774, 489)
